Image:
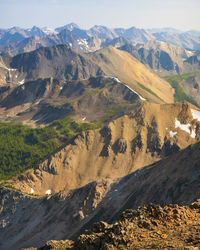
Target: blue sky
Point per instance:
(180, 14)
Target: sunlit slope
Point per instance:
(147, 134)
(121, 64)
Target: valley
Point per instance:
(99, 138)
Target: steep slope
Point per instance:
(102, 32)
(32, 43)
(17, 34)
(17, 40)
(121, 64)
(69, 26)
(24, 219)
(184, 91)
(8, 75)
(78, 40)
(137, 35)
(191, 87)
(148, 227)
(145, 135)
(116, 42)
(14, 34)
(45, 100)
(163, 58)
(184, 40)
(60, 62)
(175, 179)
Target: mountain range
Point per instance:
(165, 51)
(17, 40)
(96, 125)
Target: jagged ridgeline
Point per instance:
(63, 108)
(131, 141)
(95, 122)
(96, 99)
(172, 180)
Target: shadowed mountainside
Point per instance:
(175, 179)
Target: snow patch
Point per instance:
(49, 31)
(196, 114)
(112, 78)
(48, 192)
(118, 81)
(193, 132)
(65, 83)
(143, 99)
(82, 42)
(32, 190)
(185, 127)
(172, 134)
(11, 69)
(22, 82)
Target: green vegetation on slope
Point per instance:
(112, 112)
(149, 90)
(180, 95)
(22, 147)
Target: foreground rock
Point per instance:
(148, 227)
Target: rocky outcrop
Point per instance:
(60, 62)
(68, 214)
(148, 227)
(163, 58)
(45, 100)
(141, 137)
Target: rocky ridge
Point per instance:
(126, 144)
(63, 63)
(148, 227)
(164, 59)
(67, 214)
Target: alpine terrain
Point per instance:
(99, 138)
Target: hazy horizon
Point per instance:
(178, 14)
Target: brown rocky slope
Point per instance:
(191, 87)
(45, 100)
(67, 214)
(63, 63)
(146, 134)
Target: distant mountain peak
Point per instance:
(48, 30)
(69, 27)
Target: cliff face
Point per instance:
(31, 221)
(60, 62)
(145, 135)
(26, 221)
